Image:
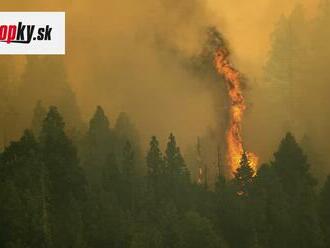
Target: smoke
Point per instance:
(249, 25)
(126, 56)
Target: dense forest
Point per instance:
(99, 191)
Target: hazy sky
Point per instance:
(112, 59)
(248, 26)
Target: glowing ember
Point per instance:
(234, 139)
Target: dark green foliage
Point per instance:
(65, 181)
(270, 211)
(298, 186)
(156, 169)
(234, 214)
(292, 166)
(243, 177)
(155, 162)
(324, 212)
(22, 222)
(174, 163)
(46, 201)
(146, 237)
(197, 231)
(96, 147)
(176, 174)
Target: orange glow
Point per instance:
(237, 106)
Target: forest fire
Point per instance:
(234, 139)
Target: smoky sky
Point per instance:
(121, 54)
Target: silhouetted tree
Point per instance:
(66, 182)
(96, 147)
(293, 170)
(23, 222)
(176, 173)
(156, 168)
(243, 177)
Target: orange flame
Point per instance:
(233, 136)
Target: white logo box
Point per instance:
(55, 22)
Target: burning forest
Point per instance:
(174, 124)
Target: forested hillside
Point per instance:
(109, 197)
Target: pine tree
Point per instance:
(175, 165)
(176, 173)
(293, 170)
(243, 177)
(270, 209)
(66, 181)
(96, 146)
(22, 196)
(155, 165)
(235, 205)
(292, 167)
(154, 158)
(99, 124)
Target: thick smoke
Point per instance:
(124, 55)
(131, 56)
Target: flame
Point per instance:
(233, 136)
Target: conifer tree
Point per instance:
(176, 173)
(155, 166)
(243, 177)
(66, 181)
(292, 167)
(175, 165)
(270, 209)
(96, 147)
(23, 220)
(298, 184)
